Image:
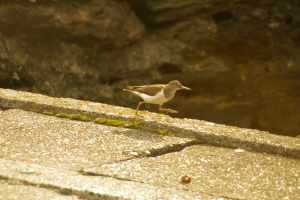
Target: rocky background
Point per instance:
(241, 58)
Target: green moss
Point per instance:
(84, 118)
(62, 115)
(138, 124)
(74, 116)
(110, 122)
(160, 132)
(48, 113)
(79, 117)
(100, 120)
(133, 125)
(38, 111)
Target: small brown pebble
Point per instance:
(186, 179)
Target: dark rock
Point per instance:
(136, 60)
(157, 11)
(108, 23)
(13, 76)
(241, 58)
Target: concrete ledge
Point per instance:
(206, 132)
(89, 187)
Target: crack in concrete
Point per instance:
(172, 148)
(209, 133)
(153, 153)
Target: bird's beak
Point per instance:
(185, 88)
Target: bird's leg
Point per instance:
(167, 110)
(140, 103)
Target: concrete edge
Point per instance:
(206, 132)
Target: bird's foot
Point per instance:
(169, 110)
(136, 115)
(172, 111)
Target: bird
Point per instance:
(157, 94)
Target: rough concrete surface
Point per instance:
(49, 140)
(217, 171)
(14, 189)
(90, 187)
(206, 132)
(95, 161)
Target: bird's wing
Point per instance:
(147, 89)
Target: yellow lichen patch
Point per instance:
(62, 115)
(48, 113)
(38, 111)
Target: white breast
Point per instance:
(159, 98)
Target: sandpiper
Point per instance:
(157, 94)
